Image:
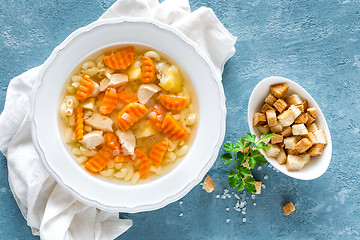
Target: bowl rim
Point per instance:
(275, 80)
(168, 199)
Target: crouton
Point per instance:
(293, 100)
(264, 129)
(280, 105)
(259, 119)
(303, 106)
(303, 145)
(277, 128)
(271, 117)
(266, 140)
(313, 127)
(208, 184)
(279, 90)
(257, 187)
(292, 152)
(273, 151)
(299, 129)
(320, 136)
(270, 99)
(312, 112)
(295, 110)
(311, 137)
(288, 208)
(281, 145)
(302, 118)
(295, 163)
(287, 131)
(277, 139)
(310, 120)
(286, 118)
(266, 107)
(316, 149)
(281, 158)
(291, 141)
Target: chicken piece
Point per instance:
(162, 67)
(100, 122)
(93, 139)
(117, 79)
(146, 91)
(96, 89)
(127, 140)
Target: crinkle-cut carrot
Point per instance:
(144, 165)
(109, 102)
(112, 141)
(173, 102)
(157, 116)
(121, 158)
(100, 159)
(158, 151)
(79, 124)
(127, 95)
(85, 89)
(172, 128)
(130, 114)
(147, 70)
(121, 59)
(100, 96)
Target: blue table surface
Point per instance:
(315, 43)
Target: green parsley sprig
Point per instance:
(242, 152)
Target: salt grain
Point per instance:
(242, 204)
(236, 196)
(228, 220)
(181, 214)
(228, 195)
(254, 203)
(252, 196)
(266, 177)
(260, 168)
(218, 196)
(223, 197)
(263, 186)
(244, 219)
(227, 209)
(181, 202)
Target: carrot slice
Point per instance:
(173, 102)
(79, 124)
(127, 95)
(109, 102)
(121, 158)
(158, 151)
(172, 128)
(112, 141)
(100, 159)
(85, 89)
(130, 114)
(121, 59)
(144, 165)
(147, 70)
(157, 116)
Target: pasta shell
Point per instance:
(79, 124)
(173, 102)
(158, 151)
(121, 59)
(112, 141)
(147, 70)
(172, 128)
(130, 114)
(109, 102)
(100, 159)
(144, 165)
(157, 116)
(127, 95)
(85, 89)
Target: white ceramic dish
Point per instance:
(319, 164)
(106, 195)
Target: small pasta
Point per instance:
(73, 99)
(152, 54)
(121, 174)
(62, 110)
(182, 151)
(87, 128)
(91, 71)
(111, 164)
(76, 151)
(76, 78)
(172, 145)
(87, 152)
(135, 178)
(190, 119)
(107, 172)
(81, 159)
(75, 84)
(72, 120)
(118, 166)
(68, 135)
(88, 64)
(69, 111)
(130, 171)
(170, 156)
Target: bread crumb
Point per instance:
(288, 208)
(208, 184)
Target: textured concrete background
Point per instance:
(315, 43)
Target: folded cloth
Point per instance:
(50, 211)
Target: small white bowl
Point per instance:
(319, 164)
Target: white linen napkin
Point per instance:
(50, 211)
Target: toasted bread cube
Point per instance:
(266, 140)
(295, 110)
(270, 99)
(288, 208)
(302, 118)
(259, 119)
(266, 107)
(279, 90)
(303, 106)
(281, 145)
(310, 119)
(299, 129)
(320, 136)
(291, 141)
(286, 118)
(293, 100)
(312, 112)
(280, 105)
(273, 151)
(271, 117)
(277, 139)
(311, 137)
(313, 127)
(257, 187)
(303, 145)
(292, 152)
(264, 129)
(295, 163)
(287, 131)
(277, 128)
(281, 158)
(208, 184)
(316, 149)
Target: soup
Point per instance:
(128, 114)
